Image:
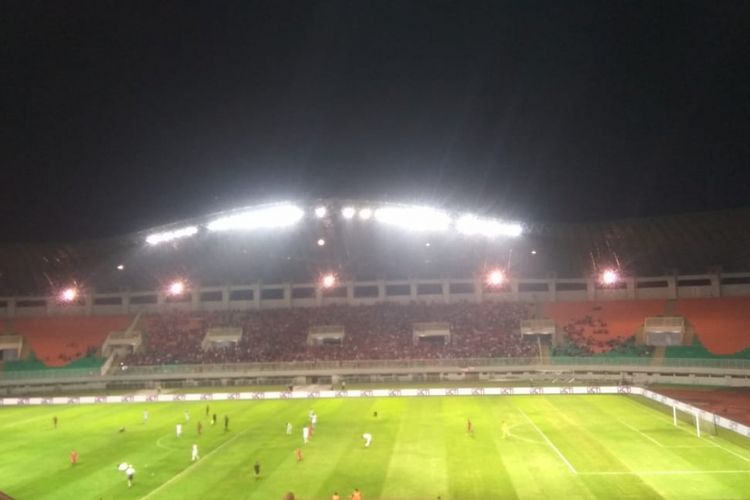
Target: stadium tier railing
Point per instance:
(468, 364)
(51, 373)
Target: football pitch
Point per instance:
(559, 447)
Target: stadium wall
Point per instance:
(265, 296)
(513, 370)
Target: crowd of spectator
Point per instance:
(589, 335)
(373, 332)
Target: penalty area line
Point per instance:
(717, 445)
(194, 464)
(656, 442)
(550, 443)
(663, 472)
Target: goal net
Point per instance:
(701, 423)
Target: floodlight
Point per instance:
(472, 225)
(609, 277)
(69, 294)
(414, 218)
(348, 212)
(120, 267)
(275, 216)
(321, 242)
(495, 277)
(320, 212)
(176, 288)
(533, 252)
(365, 214)
(165, 236)
(328, 280)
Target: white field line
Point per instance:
(687, 446)
(194, 464)
(550, 443)
(730, 451)
(657, 443)
(527, 440)
(163, 446)
(663, 472)
(742, 457)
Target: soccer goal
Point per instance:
(702, 423)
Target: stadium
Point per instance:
(399, 350)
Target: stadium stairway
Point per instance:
(136, 325)
(658, 356)
(545, 353)
(670, 308)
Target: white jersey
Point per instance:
(288, 428)
(368, 438)
(195, 452)
(178, 430)
(305, 434)
(130, 472)
(187, 417)
(314, 419)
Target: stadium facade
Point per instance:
(272, 249)
(360, 253)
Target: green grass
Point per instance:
(560, 447)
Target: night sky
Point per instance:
(118, 116)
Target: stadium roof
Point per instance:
(361, 249)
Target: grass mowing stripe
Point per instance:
(349, 464)
(420, 449)
(657, 443)
(599, 446)
(550, 443)
(473, 460)
(416, 464)
(264, 440)
(197, 463)
(332, 446)
(691, 433)
(655, 466)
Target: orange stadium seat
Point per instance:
(722, 325)
(58, 341)
(599, 324)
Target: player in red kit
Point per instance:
(73, 457)
(299, 455)
(469, 426)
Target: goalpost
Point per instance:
(703, 424)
